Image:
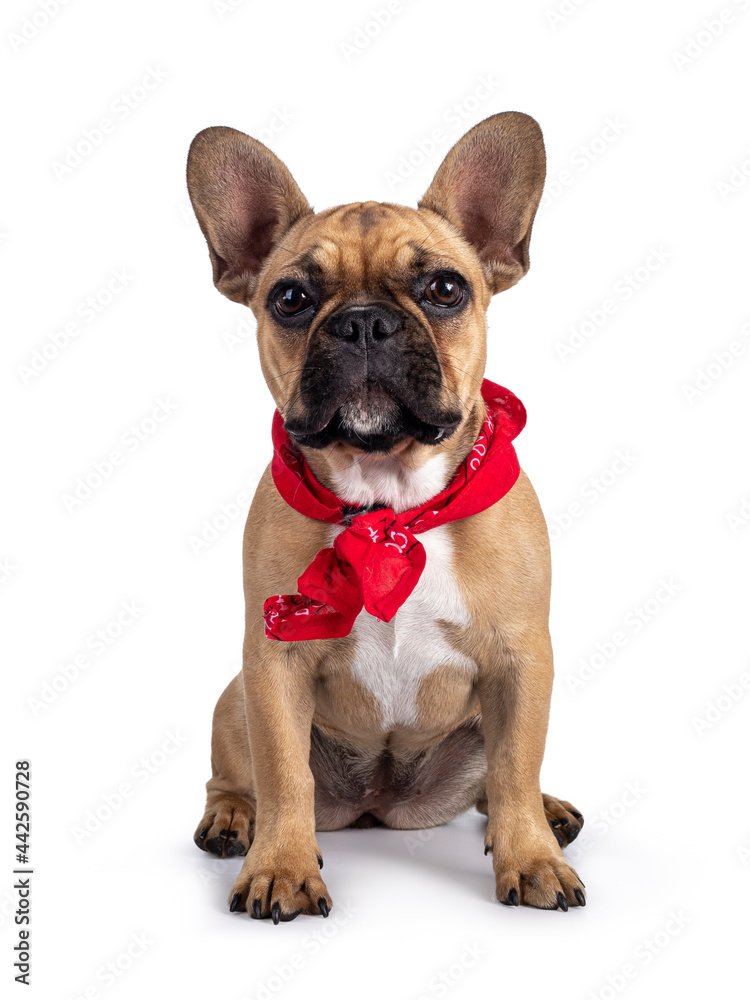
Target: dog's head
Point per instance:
(371, 316)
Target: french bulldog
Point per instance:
(401, 711)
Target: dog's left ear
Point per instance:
(489, 186)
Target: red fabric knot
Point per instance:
(376, 561)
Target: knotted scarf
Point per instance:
(376, 562)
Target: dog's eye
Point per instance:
(291, 300)
(445, 291)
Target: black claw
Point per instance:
(577, 815)
(580, 897)
(276, 912)
(228, 834)
(257, 912)
(235, 902)
(323, 907)
(487, 849)
(513, 897)
(199, 838)
(562, 902)
(320, 861)
(557, 822)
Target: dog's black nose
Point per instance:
(365, 325)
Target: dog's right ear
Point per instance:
(245, 200)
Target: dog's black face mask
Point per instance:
(370, 377)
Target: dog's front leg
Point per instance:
(280, 876)
(514, 693)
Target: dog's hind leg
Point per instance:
(228, 824)
(565, 820)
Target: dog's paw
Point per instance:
(280, 885)
(532, 874)
(546, 883)
(565, 820)
(227, 827)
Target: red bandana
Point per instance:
(376, 561)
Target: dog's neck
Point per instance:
(402, 479)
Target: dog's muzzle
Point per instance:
(371, 378)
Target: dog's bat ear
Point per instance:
(489, 186)
(245, 200)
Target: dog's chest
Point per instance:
(392, 659)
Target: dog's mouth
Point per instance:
(373, 420)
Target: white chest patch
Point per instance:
(391, 658)
(390, 481)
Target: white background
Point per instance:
(342, 118)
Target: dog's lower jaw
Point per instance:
(374, 434)
(379, 416)
(409, 474)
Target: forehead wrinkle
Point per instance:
(343, 252)
(323, 257)
(378, 255)
(308, 259)
(395, 245)
(391, 261)
(303, 264)
(430, 260)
